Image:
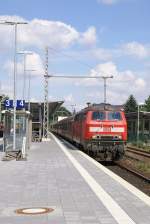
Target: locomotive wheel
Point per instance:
(118, 153)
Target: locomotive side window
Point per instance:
(84, 116)
(114, 116)
(76, 117)
(98, 115)
(80, 117)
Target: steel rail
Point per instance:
(138, 151)
(118, 163)
(137, 154)
(136, 173)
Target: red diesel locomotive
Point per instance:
(100, 129)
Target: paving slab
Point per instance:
(50, 179)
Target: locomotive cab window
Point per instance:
(114, 116)
(98, 115)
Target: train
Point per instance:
(99, 129)
(1, 129)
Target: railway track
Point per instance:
(132, 170)
(129, 174)
(137, 154)
(133, 154)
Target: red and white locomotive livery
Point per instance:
(101, 130)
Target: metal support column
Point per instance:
(14, 97)
(46, 112)
(105, 87)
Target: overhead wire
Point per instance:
(80, 62)
(70, 56)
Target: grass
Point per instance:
(141, 145)
(145, 167)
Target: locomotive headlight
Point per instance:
(117, 137)
(96, 136)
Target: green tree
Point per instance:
(63, 112)
(147, 104)
(131, 104)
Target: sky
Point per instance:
(85, 38)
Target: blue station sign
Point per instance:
(20, 104)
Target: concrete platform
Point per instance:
(78, 189)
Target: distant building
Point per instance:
(144, 125)
(37, 113)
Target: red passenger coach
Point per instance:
(1, 129)
(101, 130)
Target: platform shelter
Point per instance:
(144, 126)
(23, 133)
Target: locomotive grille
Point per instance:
(107, 138)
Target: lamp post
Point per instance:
(11, 23)
(138, 122)
(25, 54)
(138, 125)
(29, 85)
(1, 100)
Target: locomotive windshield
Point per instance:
(98, 115)
(114, 116)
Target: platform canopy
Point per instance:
(134, 115)
(35, 107)
(54, 106)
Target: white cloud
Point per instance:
(69, 98)
(89, 37)
(53, 33)
(59, 35)
(9, 68)
(120, 78)
(114, 98)
(101, 54)
(39, 33)
(6, 88)
(106, 69)
(33, 62)
(7, 31)
(119, 88)
(140, 83)
(136, 49)
(34, 100)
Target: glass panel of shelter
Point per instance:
(22, 122)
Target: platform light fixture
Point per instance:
(25, 54)
(138, 122)
(12, 23)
